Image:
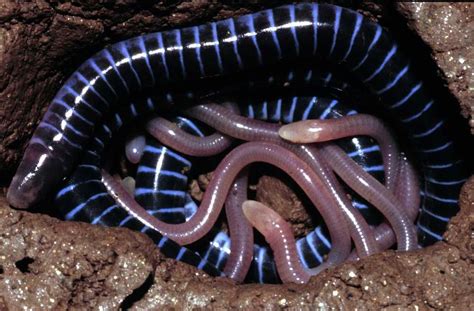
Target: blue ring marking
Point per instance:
(76, 209)
(445, 183)
(430, 131)
(171, 153)
(197, 43)
(395, 81)
(291, 10)
(437, 149)
(271, 21)
(312, 246)
(73, 110)
(73, 186)
(354, 34)
(123, 48)
(277, 114)
(309, 108)
(191, 125)
(326, 111)
(111, 60)
(291, 115)
(162, 242)
(59, 134)
(426, 230)
(260, 264)
(78, 98)
(145, 191)
(376, 38)
(161, 46)
(445, 219)
(375, 168)
(141, 44)
(444, 200)
(322, 237)
(181, 252)
(337, 20)
(216, 46)
(389, 55)
(315, 14)
(105, 212)
(407, 97)
(300, 253)
(361, 152)
(99, 71)
(415, 116)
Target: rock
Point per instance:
(448, 30)
(46, 263)
(277, 195)
(43, 264)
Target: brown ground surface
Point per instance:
(46, 263)
(448, 28)
(274, 193)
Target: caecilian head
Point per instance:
(38, 174)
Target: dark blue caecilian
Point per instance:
(161, 182)
(287, 33)
(85, 197)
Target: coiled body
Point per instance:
(311, 248)
(300, 31)
(85, 198)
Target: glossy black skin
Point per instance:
(292, 79)
(85, 198)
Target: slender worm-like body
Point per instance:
(311, 131)
(366, 245)
(241, 247)
(288, 109)
(85, 198)
(220, 184)
(337, 34)
(226, 47)
(407, 188)
(375, 193)
(279, 235)
(407, 192)
(169, 134)
(254, 130)
(160, 179)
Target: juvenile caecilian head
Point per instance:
(261, 217)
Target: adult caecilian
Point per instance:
(85, 196)
(229, 46)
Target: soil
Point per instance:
(46, 263)
(274, 193)
(448, 30)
